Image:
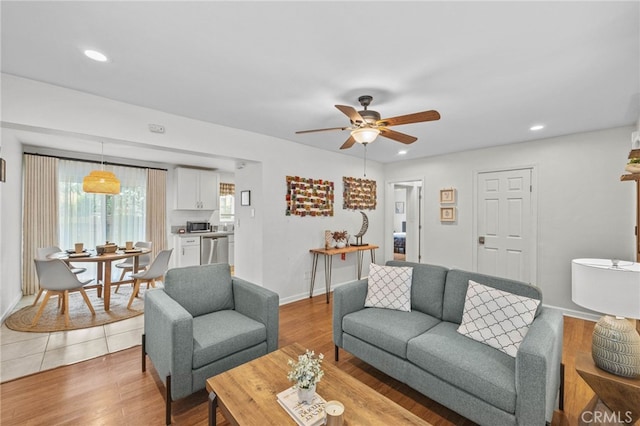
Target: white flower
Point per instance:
(306, 372)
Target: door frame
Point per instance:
(390, 211)
(533, 243)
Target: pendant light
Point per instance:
(101, 181)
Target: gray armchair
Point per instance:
(203, 323)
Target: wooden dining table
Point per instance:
(104, 263)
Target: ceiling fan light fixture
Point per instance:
(365, 135)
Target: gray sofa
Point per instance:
(205, 322)
(423, 349)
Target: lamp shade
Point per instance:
(365, 135)
(598, 285)
(613, 288)
(101, 182)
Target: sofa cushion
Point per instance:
(480, 370)
(212, 342)
(456, 291)
(387, 329)
(389, 287)
(427, 286)
(201, 289)
(497, 318)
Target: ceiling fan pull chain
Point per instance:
(365, 159)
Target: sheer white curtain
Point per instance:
(126, 216)
(93, 219)
(81, 216)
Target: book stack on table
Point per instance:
(304, 414)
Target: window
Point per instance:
(96, 218)
(227, 202)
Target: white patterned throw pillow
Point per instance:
(497, 318)
(389, 287)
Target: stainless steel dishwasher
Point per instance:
(214, 249)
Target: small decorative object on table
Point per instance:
(363, 230)
(306, 373)
(327, 239)
(335, 413)
(340, 237)
(305, 414)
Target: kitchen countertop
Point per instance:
(205, 234)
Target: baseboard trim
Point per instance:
(575, 314)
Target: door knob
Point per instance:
(481, 240)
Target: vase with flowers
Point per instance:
(340, 237)
(306, 373)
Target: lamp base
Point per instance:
(616, 346)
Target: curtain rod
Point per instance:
(93, 161)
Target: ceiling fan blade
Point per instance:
(349, 143)
(350, 112)
(321, 130)
(416, 117)
(397, 136)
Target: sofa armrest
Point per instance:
(260, 304)
(168, 329)
(347, 298)
(538, 368)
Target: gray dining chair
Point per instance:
(143, 261)
(42, 253)
(56, 278)
(155, 272)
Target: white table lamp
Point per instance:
(613, 288)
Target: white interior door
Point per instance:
(505, 224)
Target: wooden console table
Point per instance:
(328, 256)
(617, 399)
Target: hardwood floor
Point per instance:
(112, 390)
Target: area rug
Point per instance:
(79, 314)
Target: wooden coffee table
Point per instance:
(246, 394)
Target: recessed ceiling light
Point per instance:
(536, 127)
(95, 55)
(402, 152)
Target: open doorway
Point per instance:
(407, 219)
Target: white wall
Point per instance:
(584, 210)
(10, 224)
(273, 249)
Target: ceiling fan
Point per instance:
(366, 125)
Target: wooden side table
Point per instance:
(617, 399)
(328, 256)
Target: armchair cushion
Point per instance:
(201, 289)
(212, 342)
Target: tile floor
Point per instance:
(23, 353)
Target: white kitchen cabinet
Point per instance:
(188, 251)
(196, 189)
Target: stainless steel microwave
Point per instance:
(198, 227)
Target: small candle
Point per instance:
(334, 411)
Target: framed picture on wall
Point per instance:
(447, 196)
(399, 207)
(447, 214)
(245, 198)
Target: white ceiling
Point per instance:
(492, 69)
